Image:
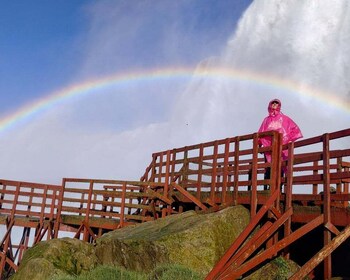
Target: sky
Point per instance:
(90, 89)
(47, 46)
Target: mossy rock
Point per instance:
(56, 257)
(194, 240)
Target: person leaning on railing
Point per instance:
(277, 121)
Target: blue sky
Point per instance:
(37, 47)
(45, 44)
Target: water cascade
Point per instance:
(297, 51)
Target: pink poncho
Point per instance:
(281, 123)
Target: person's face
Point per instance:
(275, 105)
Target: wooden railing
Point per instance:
(30, 206)
(212, 175)
(215, 172)
(94, 205)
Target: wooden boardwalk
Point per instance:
(206, 177)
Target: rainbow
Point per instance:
(98, 85)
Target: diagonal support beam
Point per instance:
(280, 245)
(249, 250)
(160, 196)
(222, 263)
(321, 255)
(189, 196)
(85, 225)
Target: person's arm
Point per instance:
(264, 141)
(294, 132)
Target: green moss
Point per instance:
(283, 267)
(36, 251)
(212, 233)
(277, 269)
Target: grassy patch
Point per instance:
(174, 271)
(164, 272)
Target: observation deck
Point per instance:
(312, 193)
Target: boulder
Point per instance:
(194, 240)
(56, 257)
(191, 240)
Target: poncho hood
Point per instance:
(274, 112)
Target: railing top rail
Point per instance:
(27, 199)
(218, 142)
(319, 138)
(113, 182)
(28, 184)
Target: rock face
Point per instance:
(194, 240)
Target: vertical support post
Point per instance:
(289, 192)
(43, 205)
(327, 269)
(339, 184)
(59, 210)
(2, 196)
(275, 178)
(40, 227)
(214, 172)
(276, 163)
(346, 183)
(225, 172)
(254, 175)
(160, 168)
(6, 243)
(184, 172)
(15, 199)
(339, 169)
(153, 169)
(167, 179)
(200, 172)
(167, 174)
(122, 206)
(173, 165)
(236, 172)
(30, 202)
(87, 214)
(315, 172)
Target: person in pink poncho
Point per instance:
(277, 121)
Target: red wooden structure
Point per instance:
(210, 176)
